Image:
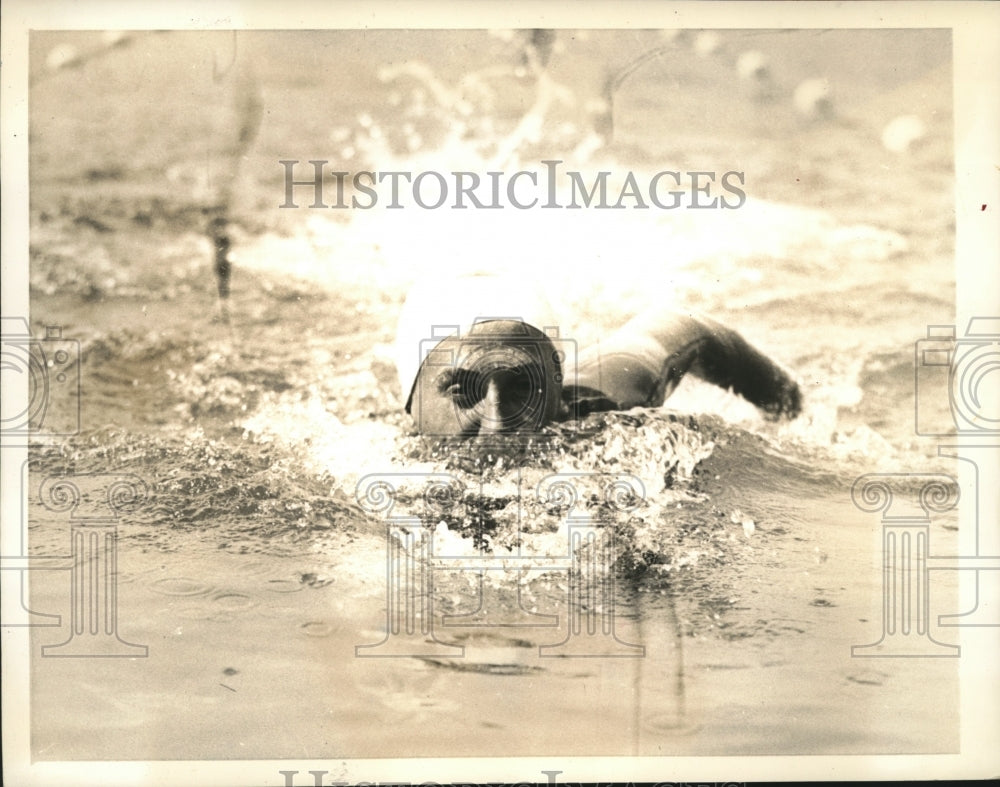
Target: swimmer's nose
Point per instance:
(491, 419)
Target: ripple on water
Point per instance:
(669, 723)
(180, 586)
(868, 677)
(204, 612)
(278, 612)
(139, 576)
(265, 568)
(283, 586)
(234, 601)
(317, 628)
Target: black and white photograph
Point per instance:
(478, 393)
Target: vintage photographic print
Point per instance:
(469, 393)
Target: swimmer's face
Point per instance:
(502, 377)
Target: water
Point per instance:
(253, 572)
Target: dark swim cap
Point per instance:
(438, 308)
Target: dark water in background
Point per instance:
(747, 573)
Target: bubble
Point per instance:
(62, 56)
(902, 132)
(812, 98)
(751, 65)
(706, 43)
(113, 38)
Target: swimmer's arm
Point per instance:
(675, 344)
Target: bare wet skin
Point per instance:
(253, 573)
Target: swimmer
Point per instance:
(465, 373)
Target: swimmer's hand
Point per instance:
(726, 359)
(774, 392)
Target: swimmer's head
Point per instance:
(503, 376)
(465, 374)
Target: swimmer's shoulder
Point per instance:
(616, 375)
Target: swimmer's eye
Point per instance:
(459, 385)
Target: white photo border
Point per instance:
(976, 53)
